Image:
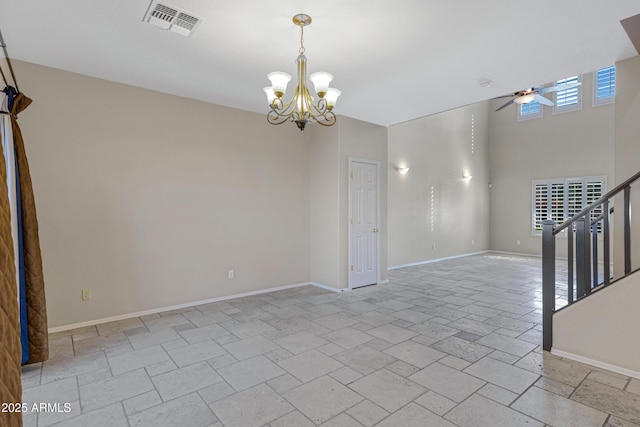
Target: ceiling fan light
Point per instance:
(321, 80)
(332, 97)
(525, 99)
(279, 82)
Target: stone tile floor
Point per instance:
(453, 343)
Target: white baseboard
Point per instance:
(179, 306)
(596, 363)
(327, 287)
(430, 261)
(526, 255)
(516, 254)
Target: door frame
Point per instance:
(375, 163)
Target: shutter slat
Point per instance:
(557, 202)
(541, 205)
(530, 108)
(606, 83)
(568, 96)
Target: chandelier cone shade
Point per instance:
(302, 108)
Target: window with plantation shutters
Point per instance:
(561, 199)
(604, 86)
(568, 99)
(532, 110)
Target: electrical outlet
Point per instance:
(86, 294)
(473, 242)
(231, 274)
(434, 246)
(517, 242)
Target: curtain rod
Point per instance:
(6, 55)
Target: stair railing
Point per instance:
(587, 225)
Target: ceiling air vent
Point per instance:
(169, 17)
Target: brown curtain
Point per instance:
(34, 280)
(10, 350)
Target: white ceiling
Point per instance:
(393, 60)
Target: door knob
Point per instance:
(375, 230)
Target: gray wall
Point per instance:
(149, 199)
(606, 340)
(438, 150)
(627, 154)
(324, 170)
(571, 144)
(330, 150)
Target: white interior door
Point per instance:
(363, 240)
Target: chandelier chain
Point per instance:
(301, 50)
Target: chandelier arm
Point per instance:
(275, 119)
(280, 107)
(280, 111)
(321, 107)
(320, 112)
(277, 104)
(329, 119)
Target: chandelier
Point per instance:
(302, 108)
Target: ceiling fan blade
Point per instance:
(506, 104)
(542, 100)
(504, 96)
(559, 87)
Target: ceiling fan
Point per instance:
(535, 94)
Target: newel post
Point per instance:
(548, 283)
